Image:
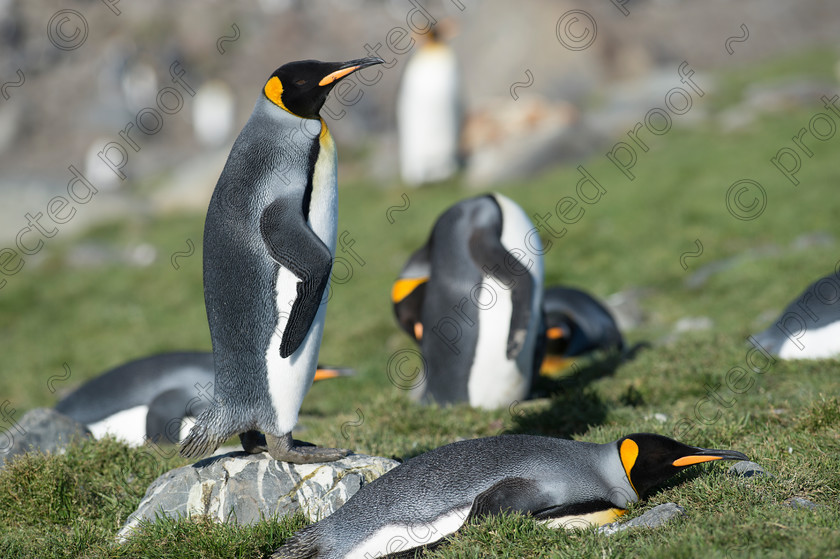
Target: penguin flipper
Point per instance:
(512, 494)
(486, 248)
(294, 246)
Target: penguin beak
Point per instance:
(554, 333)
(708, 455)
(324, 374)
(348, 68)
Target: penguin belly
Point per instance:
(289, 379)
(495, 380)
(818, 343)
(396, 538)
(127, 425)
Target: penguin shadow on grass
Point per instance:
(574, 407)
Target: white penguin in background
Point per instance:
(429, 113)
(213, 112)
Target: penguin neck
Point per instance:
(292, 124)
(611, 469)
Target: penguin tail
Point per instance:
(202, 438)
(302, 545)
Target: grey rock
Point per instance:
(245, 488)
(626, 307)
(693, 324)
(40, 429)
(801, 503)
(655, 517)
(745, 468)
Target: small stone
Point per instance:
(245, 488)
(745, 468)
(40, 429)
(655, 517)
(693, 324)
(801, 503)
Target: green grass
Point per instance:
(71, 505)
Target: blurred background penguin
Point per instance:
(429, 110)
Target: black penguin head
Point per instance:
(408, 293)
(302, 87)
(651, 459)
(558, 333)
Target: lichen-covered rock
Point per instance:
(245, 488)
(40, 429)
(657, 516)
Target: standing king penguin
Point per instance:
(269, 243)
(472, 298)
(429, 113)
(562, 483)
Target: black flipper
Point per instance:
(512, 494)
(294, 246)
(486, 249)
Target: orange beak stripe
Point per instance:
(554, 333)
(322, 374)
(337, 75)
(690, 460)
(418, 331)
(403, 288)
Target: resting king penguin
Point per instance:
(472, 298)
(809, 327)
(153, 398)
(269, 243)
(568, 484)
(576, 324)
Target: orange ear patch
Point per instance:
(691, 460)
(274, 91)
(629, 452)
(337, 75)
(403, 287)
(418, 331)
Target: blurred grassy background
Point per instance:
(97, 316)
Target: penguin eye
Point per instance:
(300, 82)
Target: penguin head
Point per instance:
(558, 333)
(408, 293)
(301, 87)
(651, 459)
